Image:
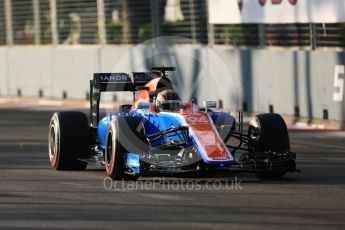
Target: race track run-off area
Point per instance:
(34, 196)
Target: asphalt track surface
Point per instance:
(34, 196)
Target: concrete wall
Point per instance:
(284, 79)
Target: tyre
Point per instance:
(268, 132)
(124, 135)
(68, 140)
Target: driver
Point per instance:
(168, 101)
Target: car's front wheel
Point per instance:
(124, 135)
(268, 133)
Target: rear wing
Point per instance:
(114, 82)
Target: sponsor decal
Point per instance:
(208, 138)
(141, 77)
(114, 77)
(138, 77)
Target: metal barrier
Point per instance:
(71, 22)
(2, 24)
(330, 35)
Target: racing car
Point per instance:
(158, 134)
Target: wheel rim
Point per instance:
(52, 143)
(254, 134)
(109, 150)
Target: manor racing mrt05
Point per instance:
(158, 134)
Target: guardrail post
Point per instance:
(101, 23)
(53, 23)
(36, 9)
(9, 26)
(155, 20)
(262, 39)
(312, 36)
(126, 22)
(192, 18)
(210, 28)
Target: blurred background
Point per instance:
(73, 22)
(51, 48)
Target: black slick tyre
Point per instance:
(268, 132)
(68, 140)
(124, 135)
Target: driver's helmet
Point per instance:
(168, 101)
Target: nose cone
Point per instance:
(207, 137)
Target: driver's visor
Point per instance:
(170, 105)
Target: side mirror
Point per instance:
(143, 105)
(210, 104)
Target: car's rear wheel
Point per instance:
(68, 140)
(124, 135)
(268, 132)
